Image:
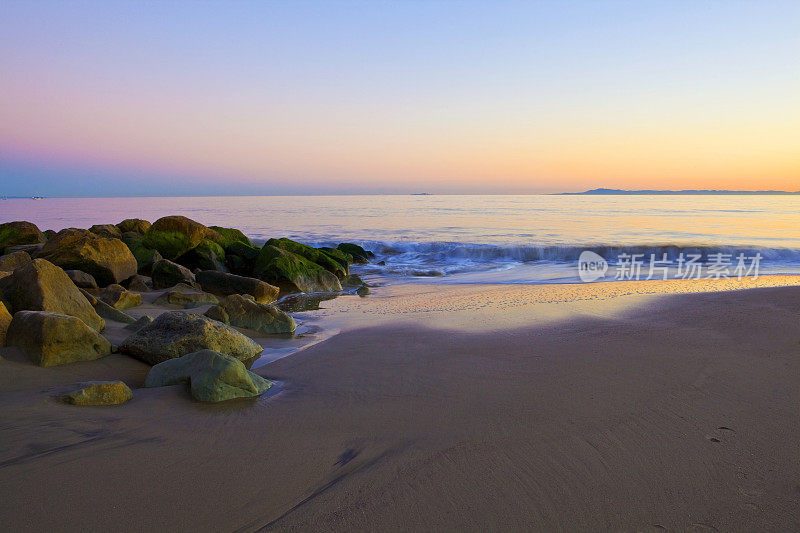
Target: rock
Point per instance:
(81, 279)
(185, 296)
(293, 273)
(42, 286)
(49, 233)
(106, 230)
(139, 324)
(245, 313)
(240, 258)
(99, 393)
(106, 311)
(5, 320)
(135, 225)
(342, 258)
(228, 236)
(138, 283)
(173, 236)
(360, 255)
(166, 274)
(19, 233)
(224, 284)
(55, 339)
(145, 257)
(381, 263)
(212, 376)
(219, 314)
(30, 249)
(13, 260)
(107, 259)
(353, 280)
(4, 273)
(363, 291)
(176, 333)
(120, 298)
(312, 254)
(207, 255)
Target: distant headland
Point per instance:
(687, 191)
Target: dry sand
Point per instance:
(603, 406)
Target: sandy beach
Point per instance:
(584, 407)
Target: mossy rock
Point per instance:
(106, 230)
(312, 254)
(240, 258)
(19, 232)
(173, 236)
(207, 255)
(242, 312)
(168, 274)
(177, 333)
(360, 255)
(292, 272)
(135, 225)
(145, 257)
(228, 236)
(107, 259)
(341, 257)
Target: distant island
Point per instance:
(687, 191)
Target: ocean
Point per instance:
(478, 239)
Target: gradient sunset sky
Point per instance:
(113, 98)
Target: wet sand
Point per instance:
(486, 407)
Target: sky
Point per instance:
(113, 98)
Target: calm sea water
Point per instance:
(472, 238)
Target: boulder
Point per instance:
(55, 339)
(19, 233)
(167, 274)
(240, 258)
(13, 260)
(242, 312)
(173, 236)
(360, 255)
(312, 254)
(363, 291)
(30, 249)
(145, 257)
(176, 333)
(106, 230)
(353, 280)
(120, 298)
(81, 279)
(107, 259)
(49, 233)
(224, 284)
(207, 255)
(135, 225)
(185, 296)
(211, 376)
(5, 320)
(99, 393)
(42, 286)
(138, 283)
(227, 236)
(293, 273)
(139, 324)
(342, 258)
(106, 311)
